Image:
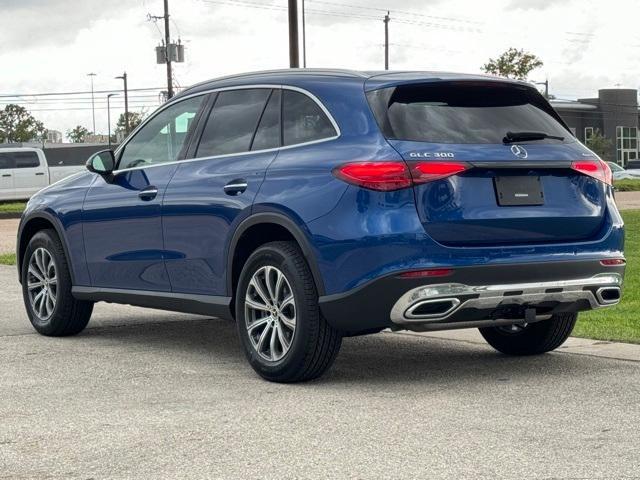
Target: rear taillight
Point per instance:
(387, 176)
(594, 168)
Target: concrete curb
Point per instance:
(5, 215)
(576, 346)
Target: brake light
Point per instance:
(423, 172)
(594, 168)
(388, 176)
(383, 176)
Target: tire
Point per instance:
(535, 338)
(57, 314)
(312, 343)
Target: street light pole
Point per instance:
(123, 77)
(93, 106)
(109, 117)
(294, 55)
(386, 41)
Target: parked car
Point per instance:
(24, 171)
(311, 205)
(619, 173)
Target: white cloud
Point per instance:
(585, 45)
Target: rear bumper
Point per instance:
(477, 296)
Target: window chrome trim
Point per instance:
(223, 89)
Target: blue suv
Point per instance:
(310, 205)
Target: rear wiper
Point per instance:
(511, 137)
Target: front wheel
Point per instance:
(532, 339)
(283, 333)
(46, 288)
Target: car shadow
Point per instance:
(383, 358)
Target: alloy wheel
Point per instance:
(42, 283)
(270, 313)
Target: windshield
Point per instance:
(464, 112)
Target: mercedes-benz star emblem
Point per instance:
(519, 151)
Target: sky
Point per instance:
(51, 45)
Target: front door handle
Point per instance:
(40, 173)
(148, 193)
(236, 187)
(6, 175)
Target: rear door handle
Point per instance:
(6, 175)
(148, 193)
(236, 187)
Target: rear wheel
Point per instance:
(284, 335)
(46, 288)
(532, 339)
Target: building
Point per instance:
(54, 136)
(614, 114)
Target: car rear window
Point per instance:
(463, 112)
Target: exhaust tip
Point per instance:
(436, 308)
(608, 295)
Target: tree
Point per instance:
(135, 118)
(513, 63)
(78, 134)
(18, 125)
(600, 144)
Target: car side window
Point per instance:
(303, 120)
(6, 161)
(162, 138)
(232, 122)
(268, 132)
(26, 160)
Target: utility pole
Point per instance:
(546, 87)
(294, 54)
(123, 77)
(386, 41)
(304, 38)
(93, 106)
(167, 46)
(109, 118)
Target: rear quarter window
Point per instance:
(303, 120)
(463, 112)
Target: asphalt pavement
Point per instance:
(149, 394)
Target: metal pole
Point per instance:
(167, 42)
(546, 88)
(294, 54)
(109, 118)
(304, 38)
(386, 41)
(123, 77)
(93, 107)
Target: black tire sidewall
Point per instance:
(273, 256)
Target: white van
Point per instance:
(24, 171)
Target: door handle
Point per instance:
(148, 193)
(236, 187)
(6, 175)
(40, 173)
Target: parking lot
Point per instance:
(148, 394)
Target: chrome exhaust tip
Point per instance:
(432, 309)
(608, 295)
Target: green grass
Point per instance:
(622, 322)
(7, 258)
(627, 185)
(12, 207)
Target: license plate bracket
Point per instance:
(518, 190)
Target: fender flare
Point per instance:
(294, 229)
(43, 215)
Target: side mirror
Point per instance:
(103, 162)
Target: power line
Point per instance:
(50, 94)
